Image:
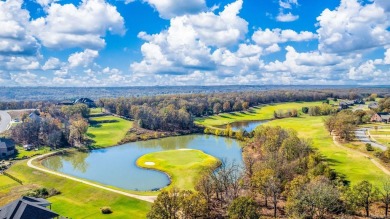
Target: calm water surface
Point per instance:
(116, 166)
(245, 125)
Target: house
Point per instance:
(359, 101)
(35, 116)
(373, 106)
(381, 117)
(346, 104)
(90, 103)
(27, 208)
(6, 150)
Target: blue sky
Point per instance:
(193, 42)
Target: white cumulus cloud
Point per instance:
(68, 26)
(82, 59)
(172, 8)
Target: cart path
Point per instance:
(376, 163)
(150, 199)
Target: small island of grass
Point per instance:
(184, 167)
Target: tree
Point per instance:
(330, 123)
(305, 109)
(192, 205)
(363, 195)
(226, 106)
(245, 105)
(243, 208)
(314, 200)
(217, 108)
(237, 106)
(78, 128)
(166, 206)
(385, 195)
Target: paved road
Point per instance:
(362, 136)
(140, 197)
(5, 121)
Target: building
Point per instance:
(90, 103)
(28, 208)
(35, 116)
(373, 105)
(6, 150)
(381, 117)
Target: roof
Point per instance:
(84, 100)
(385, 116)
(27, 208)
(4, 145)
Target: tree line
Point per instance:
(53, 126)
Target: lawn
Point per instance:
(94, 111)
(76, 200)
(256, 113)
(21, 153)
(183, 166)
(352, 164)
(106, 131)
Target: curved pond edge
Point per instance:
(39, 158)
(36, 163)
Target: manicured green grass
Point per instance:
(21, 153)
(106, 131)
(347, 162)
(6, 182)
(183, 166)
(257, 113)
(95, 111)
(76, 200)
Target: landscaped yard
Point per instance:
(183, 166)
(76, 200)
(107, 131)
(21, 153)
(257, 113)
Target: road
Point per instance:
(362, 136)
(5, 121)
(140, 197)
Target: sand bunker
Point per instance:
(150, 163)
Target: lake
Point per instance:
(116, 166)
(245, 125)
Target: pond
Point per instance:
(116, 166)
(245, 125)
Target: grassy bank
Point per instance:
(183, 166)
(76, 200)
(106, 131)
(256, 113)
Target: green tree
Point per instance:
(385, 195)
(243, 208)
(314, 200)
(166, 206)
(363, 195)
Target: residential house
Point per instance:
(6, 150)
(381, 117)
(90, 103)
(28, 208)
(35, 116)
(373, 105)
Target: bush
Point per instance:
(369, 147)
(106, 210)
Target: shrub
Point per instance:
(106, 210)
(369, 147)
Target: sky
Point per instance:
(194, 42)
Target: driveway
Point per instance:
(5, 121)
(362, 136)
